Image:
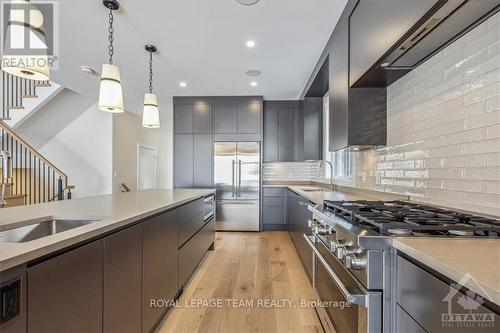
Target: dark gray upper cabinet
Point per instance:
(285, 135)
(339, 89)
(358, 116)
(313, 128)
(291, 133)
(184, 160)
(226, 118)
(202, 118)
(183, 118)
(122, 283)
(160, 265)
(375, 26)
(202, 165)
(250, 118)
(270, 135)
(65, 292)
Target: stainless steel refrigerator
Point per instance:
(237, 180)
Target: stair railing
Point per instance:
(33, 176)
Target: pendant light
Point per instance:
(150, 113)
(110, 90)
(25, 19)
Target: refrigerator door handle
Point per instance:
(239, 178)
(232, 179)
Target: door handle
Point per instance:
(358, 299)
(239, 178)
(232, 179)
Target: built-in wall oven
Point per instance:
(348, 305)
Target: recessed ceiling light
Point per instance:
(247, 2)
(253, 72)
(183, 84)
(250, 43)
(254, 84)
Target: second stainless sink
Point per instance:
(47, 227)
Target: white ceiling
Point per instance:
(200, 42)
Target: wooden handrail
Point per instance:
(61, 174)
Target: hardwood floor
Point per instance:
(247, 267)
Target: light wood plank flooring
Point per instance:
(247, 266)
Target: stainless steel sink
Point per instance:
(46, 227)
(313, 190)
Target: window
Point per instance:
(341, 160)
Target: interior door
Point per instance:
(225, 170)
(146, 170)
(248, 164)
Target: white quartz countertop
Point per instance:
(455, 258)
(319, 197)
(112, 211)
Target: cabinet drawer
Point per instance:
(189, 228)
(274, 191)
(193, 251)
(425, 298)
(274, 201)
(190, 210)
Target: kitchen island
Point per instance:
(127, 251)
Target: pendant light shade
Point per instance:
(110, 91)
(34, 65)
(151, 113)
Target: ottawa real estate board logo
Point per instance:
(29, 34)
(466, 311)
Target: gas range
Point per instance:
(400, 218)
(351, 241)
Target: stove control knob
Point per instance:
(352, 262)
(321, 230)
(333, 246)
(340, 251)
(310, 223)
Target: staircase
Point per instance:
(34, 178)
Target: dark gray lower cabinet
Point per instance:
(193, 251)
(427, 300)
(298, 214)
(123, 281)
(273, 209)
(159, 265)
(65, 292)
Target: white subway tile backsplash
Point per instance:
(443, 131)
(444, 128)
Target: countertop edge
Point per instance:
(24, 258)
(484, 290)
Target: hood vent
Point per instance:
(442, 27)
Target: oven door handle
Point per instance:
(358, 299)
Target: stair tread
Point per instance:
(28, 96)
(15, 107)
(1, 118)
(42, 85)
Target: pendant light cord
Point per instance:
(111, 38)
(150, 72)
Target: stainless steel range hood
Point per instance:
(438, 29)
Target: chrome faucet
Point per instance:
(332, 182)
(6, 174)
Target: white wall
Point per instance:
(128, 132)
(83, 150)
